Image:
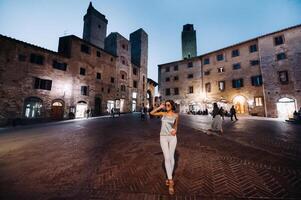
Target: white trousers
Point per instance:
(168, 145)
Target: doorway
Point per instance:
(240, 104)
(81, 108)
(57, 110)
(286, 107)
(97, 107)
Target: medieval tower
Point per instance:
(95, 27)
(189, 48)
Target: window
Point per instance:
(190, 64)
(221, 85)
(235, 53)
(176, 91)
(207, 73)
(59, 66)
(281, 56)
(176, 68)
(190, 76)
(135, 71)
(167, 91)
(256, 80)
(42, 84)
(135, 84)
(237, 83)
(258, 101)
(167, 69)
(236, 66)
(84, 90)
(109, 90)
(122, 76)
(124, 46)
(176, 78)
(253, 48)
(167, 79)
(220, 69)
(122, 88)
(279, 40)
(85, 49)
(112, 80)
(208, 87)
(98, 75)
(283, 77)
(82, 71)
(98, 53)
(220, 57)
(190, 89)
(102, 89)
(206, 61)
(254, 62)
(36, 59)
(22, 57)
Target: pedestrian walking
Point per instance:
(233, 113)
(112, 112)
(88, 113)
(222, 112)
(142, 114)
(168, 138)
(217, 122)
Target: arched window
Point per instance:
(32, 107)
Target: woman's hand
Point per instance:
(173, 132)
(162, 106)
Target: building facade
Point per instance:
(87, 76)
(260, 76)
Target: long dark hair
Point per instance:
(172, 103)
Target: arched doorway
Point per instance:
(57, 109)
(81, 108)
(149, 99)
(32, 107)
(240, 104)
(286, 107)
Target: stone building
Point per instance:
(260, 76)
(92, 74)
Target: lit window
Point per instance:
(258, 101)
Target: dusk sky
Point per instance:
(218, 23)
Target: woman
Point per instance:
(217, 120)
(168, 138)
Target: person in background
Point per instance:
(222, 112)
(233, 113)
(216, 119)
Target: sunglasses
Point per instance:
(167, 105)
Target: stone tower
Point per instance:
(189, 49)
(95, 27)
(139, 47)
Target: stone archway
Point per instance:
(240, 104)
(32, 107)
(286, 107)
(57, 109)
(149, 98)
(81, 109)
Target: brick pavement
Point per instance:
(121, 159)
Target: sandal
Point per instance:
(171, 189)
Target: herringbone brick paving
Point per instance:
(121, 159)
